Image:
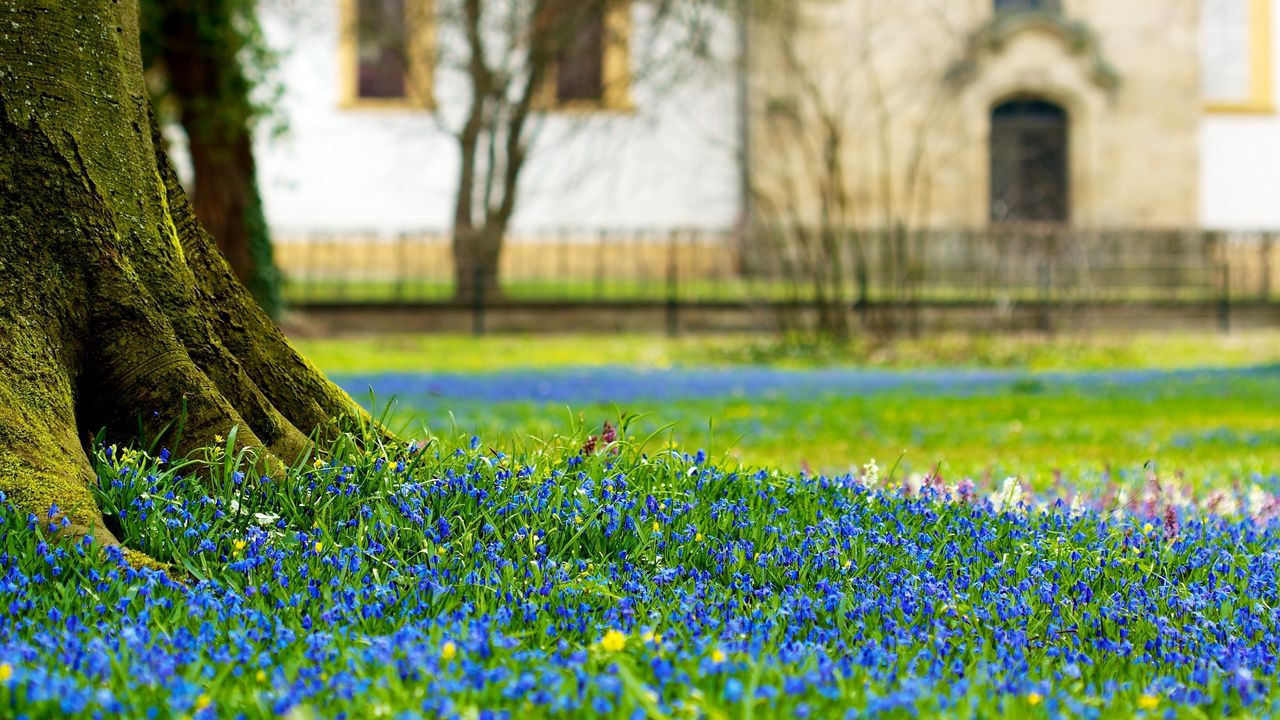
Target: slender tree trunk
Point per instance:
(200, 48)
(476, 253)
(497, 125)
(116, 309)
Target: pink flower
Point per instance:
(1170, 523)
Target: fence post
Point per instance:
(602, 240)
(673, 286)
(402, 267)
(1045, 290)
(477, 301)
(1264, 247)
(1224, 300)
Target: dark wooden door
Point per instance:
(1029, 169)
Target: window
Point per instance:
(580, 62)
(386, 51)
(1029, 181)
(1236, 55)
(591, 61)
(1046, 6)
(382, 50)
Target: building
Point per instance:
(632, 135)
(1240, 130)
(937, 113)
(960, 113)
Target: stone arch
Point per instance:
(1034, 60)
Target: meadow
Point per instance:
(573, 568)
(1096, 411)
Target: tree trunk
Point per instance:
(201, 48)
(228, 204)
(115, 306)
(475, 264)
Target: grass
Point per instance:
(561, 568)
(1214, 432)
(463, 581)
(1214, 428)
(465, 353)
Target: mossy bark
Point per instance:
(116, 307)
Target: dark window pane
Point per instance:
(580, 62)
(1051, 6)
(383, 47)
(1029, 179)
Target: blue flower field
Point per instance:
(1212, 427)
(611, 576)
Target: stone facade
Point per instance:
(876, 113)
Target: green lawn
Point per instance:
(1212, 429)
(465, 353)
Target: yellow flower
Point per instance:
(1034, 698)
(656, 526)
(317, 464)
(240, 545)
(1148, 702)
(218, 439)
(261, 676)
(203, 702)
(717, 656)
(1146, 529)
(613, 641)
(6, 672)
(318, 547)
(697, 538)
(448, 651)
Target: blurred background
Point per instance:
(1075, 201)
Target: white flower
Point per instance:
(265, 519)
(1257, 501)
(1009, 497)
(1077, 506)
(870, 474)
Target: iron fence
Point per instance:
(690, 267)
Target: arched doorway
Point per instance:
(1029, 172)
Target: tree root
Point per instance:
(116, 309)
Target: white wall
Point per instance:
(1240, 163)
(673, 163)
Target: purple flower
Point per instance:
(1170, 523)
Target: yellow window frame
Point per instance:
(1261, 94)
(420, 35)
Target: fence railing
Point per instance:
(700, 267)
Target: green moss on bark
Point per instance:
(116, 310)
